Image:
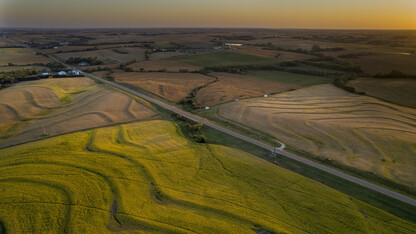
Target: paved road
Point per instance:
(321, 167)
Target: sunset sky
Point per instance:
(345, 14)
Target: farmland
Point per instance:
(20, 56)
(108, 55)
(30, 110)
(147, 176)
(398, 91)
(78, 156)
(334, 125)
(169, 65)
(232, 86)
(223, 59)
(290, 78)
(171, 86)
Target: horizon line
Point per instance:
(205, 27)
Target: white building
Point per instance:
(62, 73)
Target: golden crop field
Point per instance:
(358, 131)
(398, 91)
(147, 176)
(171, 86)
(232, 86)
(56, 106)
(21, 56)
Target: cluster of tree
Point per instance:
(120, 51)
(90, 60)
(11, 46)
(333, 66)
(147, 54)
(55, 66)
(354, 55)
(395, 74)
(240, 69)
(72, 51)
(316, 48)
(125, 67)
(90, 70)
(342, 82)
(191, 129)
(16, 76)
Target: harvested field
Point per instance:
(280, 56)
(7, 42)
(224, 58)
(108, 55)
(290, 78)
(386, 62)
(171, 86)
(61, 106)
(15, 68)
(171, 66)
(398, 91)
(148, 177)
(165, 55)
(357, 131)
(20, 56)
(232, 86)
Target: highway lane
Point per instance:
(188, 115)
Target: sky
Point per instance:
(325, 14)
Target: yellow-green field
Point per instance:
(30, 110)
(358, 131)
(146, 176)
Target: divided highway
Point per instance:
(321, 167)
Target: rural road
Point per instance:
(321, 167)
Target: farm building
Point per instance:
(73, 72)
(62, 73)
(83, 64)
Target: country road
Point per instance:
(321, 167)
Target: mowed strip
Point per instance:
(55, 106)
(232, 86)
(171, 86)
(331, 124)
(147, 176)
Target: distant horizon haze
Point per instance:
(267, 14)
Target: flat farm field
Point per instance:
(331, 124)
(398, 91)
(108, 55)
(147, 177)
(20, 56)
(171, 86)
(35, 109)
(169, 65)
(224, 58)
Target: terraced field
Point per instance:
(171, 86)
(147, 176)
(232, 86)
(30, 110)
(358, 131)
